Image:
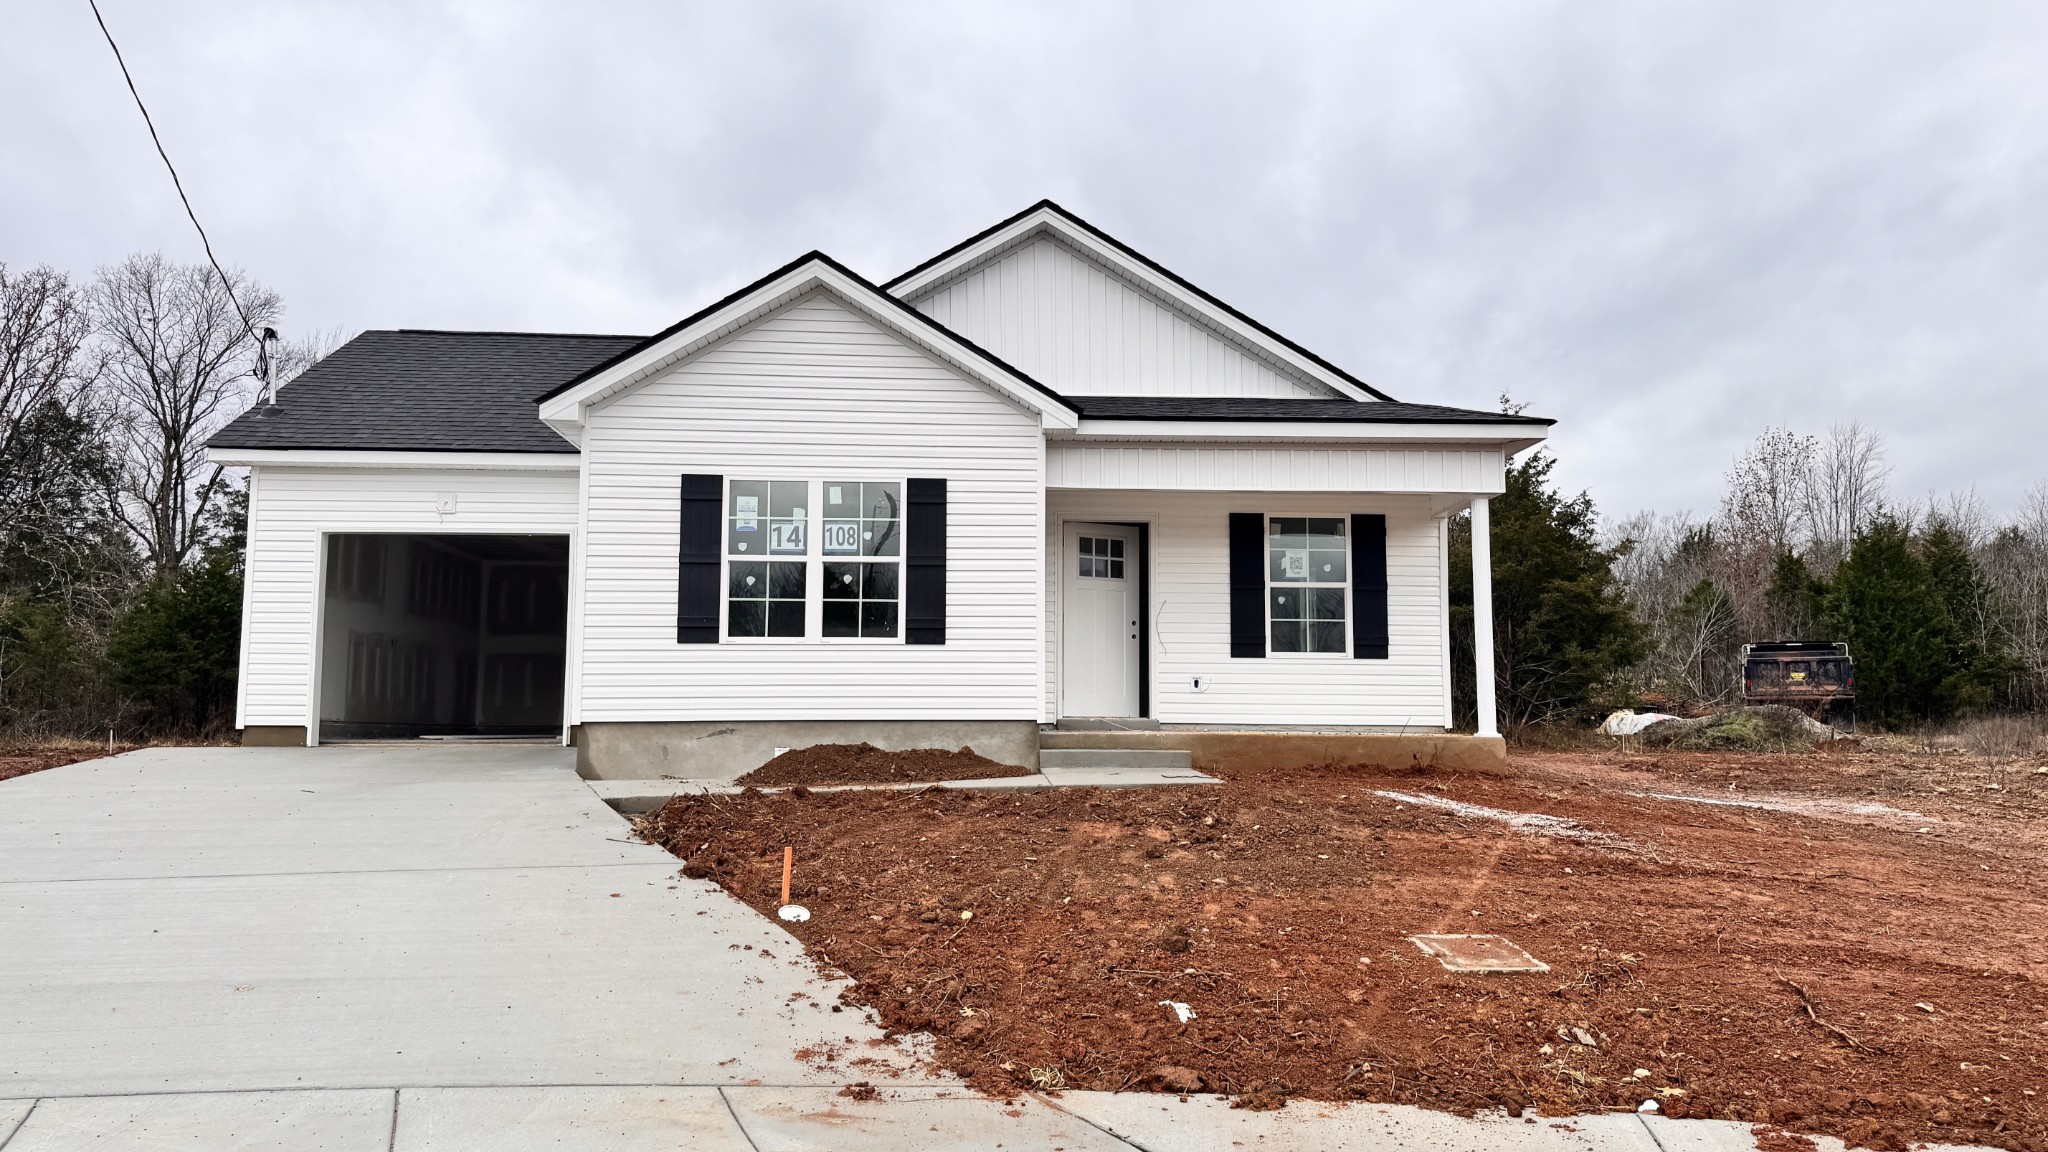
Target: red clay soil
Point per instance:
(22, 761)
(864, 763)
(1863, 972)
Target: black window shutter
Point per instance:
(1369, 587)
(924, 562)
(697, 591)
(1247, 584)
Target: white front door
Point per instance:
(1100, 613)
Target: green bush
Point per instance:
(175, 652)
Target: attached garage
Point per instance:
(425, 635)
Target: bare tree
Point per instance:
(43, 326)
(1848, 488)
(296, 354)
(177, 358)
(1759, 520)
(1665, 565)
(2015, 564)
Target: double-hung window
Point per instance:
(784, 538)
(767, 545)
(1307, 583)
(862, 566)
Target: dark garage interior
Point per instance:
(443, 635)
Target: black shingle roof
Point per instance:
(1261, 408)
(424, 391)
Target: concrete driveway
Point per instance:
(396, 948)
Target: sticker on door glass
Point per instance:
(1294, 563)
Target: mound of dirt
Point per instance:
(1878, 981)
(1765, 728)
(864, 763)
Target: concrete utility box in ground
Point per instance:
(1815, 676)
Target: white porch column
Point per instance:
(1482, 617)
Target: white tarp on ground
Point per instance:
(1627, 723)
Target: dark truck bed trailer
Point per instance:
(1815, 676)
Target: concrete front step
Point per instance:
(1277, 750)
(1157, 760)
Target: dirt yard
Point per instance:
(866, 764)
(1853, 944)
(22, 760)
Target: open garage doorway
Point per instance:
(443, 635)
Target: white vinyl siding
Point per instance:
(1189, 614)
(1274, 468)
(812, 392)
(1066, 322)
(291, 508)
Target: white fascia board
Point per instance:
(1046, 220)
(567, 411)
(1328, 432)
(337, 458)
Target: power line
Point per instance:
(175, 182)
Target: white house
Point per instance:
(1036, 479)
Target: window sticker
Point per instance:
(1294, 564)
(842, 537)
(747, 513)
(786, 536)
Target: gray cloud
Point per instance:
(1666, 225)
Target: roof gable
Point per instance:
(1017, 285)
(563, 407)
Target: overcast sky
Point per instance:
(1667, 225)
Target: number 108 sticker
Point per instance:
(842, 537)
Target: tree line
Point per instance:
(1944, 607)
(120, 544)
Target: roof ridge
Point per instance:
(506, 332)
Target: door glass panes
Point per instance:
(1102, 558)
(767, 517)
(764, 598)
(863, 519)
(1306, 575)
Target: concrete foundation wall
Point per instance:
(1287, 751)
(274, 736)
(715, 750)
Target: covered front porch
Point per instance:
(1307, 604)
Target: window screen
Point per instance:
(1307, 581)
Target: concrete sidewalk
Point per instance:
(399, 947)
(656, 1118)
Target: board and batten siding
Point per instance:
(292, 508)
(1069, 324)
(1190, 614)
(811, 392)
(1261, 468)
